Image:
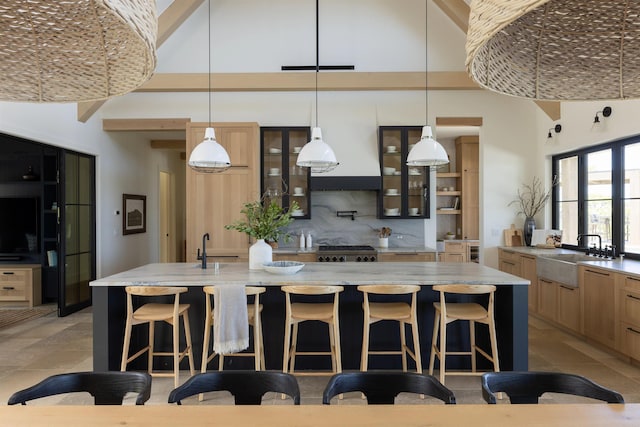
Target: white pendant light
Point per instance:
(317, 154)
(428, 151)
(209, 156)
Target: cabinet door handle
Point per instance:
(509, 262)
(598, 273)
(8, 288)
(633, 297)
(633, 330)
(569, 288)
(546, 281)
(8, 272)
(633, 278)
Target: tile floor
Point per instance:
(50, 345)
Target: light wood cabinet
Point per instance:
(629, 309)
(310, 257)
(598, 304)
(407, 257)
(214, 200)
(528, 271)
(568, 314)
(454, 252)
(509, 262)
(547, 299)
(20, 285)
(468, 165)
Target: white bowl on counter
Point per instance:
(283, 267)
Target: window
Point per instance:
(599, 194)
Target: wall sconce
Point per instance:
(556, 129)
(606, 112)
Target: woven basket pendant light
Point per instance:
(76, 50)
(556, 49)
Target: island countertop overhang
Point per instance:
(346, 274)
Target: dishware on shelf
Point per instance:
(414, 171)
(297, 212)
(298, 191)
(275, 150)
(397, 173)
(391, 149)
(297, 150)
(391, 192)
(274, 171)
(413, 211)
(391, 211)
(283, 267)
(388, 171)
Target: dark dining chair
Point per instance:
(527, 387)
(382, 387)
(107, 388)
(247, 387)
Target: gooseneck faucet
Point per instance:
(204, 250)
(581, 236)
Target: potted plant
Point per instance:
(264, 222)
(531, 199)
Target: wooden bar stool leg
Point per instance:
(494, 344)
(332, 346)
(150, 345)
(256, 339)
(416, 344)
(294, 347)
(403, 345)
(187, 333)
(205, 339)
(176, 352)
(287, 347)
(434, 342)
(443, 349)
(472, 340)
(125, 346)
(364, 358)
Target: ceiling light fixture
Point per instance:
(317, 154)
(606, 112)
(209, 156)
(555, 49)
(76, 50)
(428, 151)
(556, 129)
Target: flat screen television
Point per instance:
(19, 225)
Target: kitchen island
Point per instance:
(109, 308)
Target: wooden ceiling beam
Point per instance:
(168, 22)
(301, 81)
(132, 125)
(457, 11)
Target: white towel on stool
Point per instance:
(230, 321)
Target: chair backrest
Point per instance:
(382, 387)
(527, 387)
(312, 289)
(107, 388)
(249, 290)
(154, 291)
(247, 387)
(466, 290)
(389, 290)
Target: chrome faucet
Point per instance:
(204, 250)
(580, 236)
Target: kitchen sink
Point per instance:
(561, 268)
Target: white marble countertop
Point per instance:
(347, 273)
(616, 265)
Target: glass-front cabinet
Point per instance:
(281, 180)
(405, 190)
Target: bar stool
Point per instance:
(401, 312)
(253, 312)
(446, 313)
(150, 313)
(298, 312)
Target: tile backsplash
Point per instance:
(328, 229)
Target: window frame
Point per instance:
(617, 148)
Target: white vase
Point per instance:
(259, 253)
(383, 242)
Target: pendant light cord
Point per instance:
(209, 64)
(317, 53)
(426, 62)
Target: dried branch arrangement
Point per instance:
(533, 197)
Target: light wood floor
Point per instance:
(50, 345)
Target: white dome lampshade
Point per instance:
(317, 154)
(428, 151)
(209, 156)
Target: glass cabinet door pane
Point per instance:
(71, 179)
(71, 229)
(85, 189)
(298, 176)
(391, 164)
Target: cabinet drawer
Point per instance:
(295, 257)
(507, 255)
(630, 340)
(12, 276)
(455, 247)
(13, 291)
(632, 283)
(630, 306)
(406, 257)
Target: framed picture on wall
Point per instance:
(134, 214)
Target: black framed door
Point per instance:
(78, 230)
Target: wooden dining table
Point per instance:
(565, 415)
